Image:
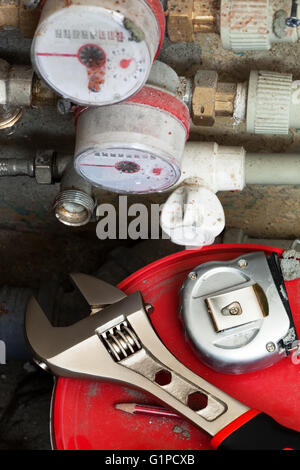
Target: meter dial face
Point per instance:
(87, 55)
(126, 170)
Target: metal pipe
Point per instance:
(17, 167)
(56, 165)
(219, 167)
(74, 205)
(20, 87)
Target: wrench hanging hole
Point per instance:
(163, 377)
(197, 401)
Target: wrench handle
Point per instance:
(256, 431)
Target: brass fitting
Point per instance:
(9, 116)
(248, 25)
(16, 13)
(211, 98)
(186, 17)
(225, 97)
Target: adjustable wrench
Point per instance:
(117, 342)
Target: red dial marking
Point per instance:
(157, 171)
(94, 59)
(92, 164)
(54, 54)
(123, 166)
(125, 63)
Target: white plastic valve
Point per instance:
(97, 52)
(192, 216)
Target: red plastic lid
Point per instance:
(83, 413)
(158, 10)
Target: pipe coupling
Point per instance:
(73, 207)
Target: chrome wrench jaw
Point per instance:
(119, 343)
(96, 292)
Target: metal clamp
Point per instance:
(236, 307)
(236, 313)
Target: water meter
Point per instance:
(135, 146)
(97, 52)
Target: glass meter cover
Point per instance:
(127, 170)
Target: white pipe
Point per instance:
(216, 167)
(276, 168)
(225, 168)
